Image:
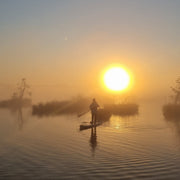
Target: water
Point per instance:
(140, 147)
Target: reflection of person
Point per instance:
(93, 107)
(93, 140)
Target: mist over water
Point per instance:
(144, 146)
(54, 57)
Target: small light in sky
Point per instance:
(65, 38)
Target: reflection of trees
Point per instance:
(20, 121)
(93, 140)
(17, 112)
(174, 123)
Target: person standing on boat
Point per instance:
(93, 107)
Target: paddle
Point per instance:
(81, 114)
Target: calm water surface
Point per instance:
(140, 147)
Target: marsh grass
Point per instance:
(61, 107)
(15, 103)
(122, 109)
(171, 111)
(80, 105)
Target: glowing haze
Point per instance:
(62, 47)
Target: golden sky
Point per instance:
(62, 47)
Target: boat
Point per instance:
(102, 116)
(88, 126)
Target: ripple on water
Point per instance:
(132, 152)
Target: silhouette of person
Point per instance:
(93, 107)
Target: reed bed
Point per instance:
(82, 105)
(171, 111)
(15, 103)
(122, 109)
(61, 107)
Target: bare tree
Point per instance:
(22, 87)
(176, 91)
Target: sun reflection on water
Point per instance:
(120, 123)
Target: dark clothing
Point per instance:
(93, 107)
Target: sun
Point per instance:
(116, 79)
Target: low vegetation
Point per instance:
(18, 99)
(171, 111)
(15, 103)
(122, 109)
(80, 105)
(73, 106)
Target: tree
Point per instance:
(22, 89)
(176, 91)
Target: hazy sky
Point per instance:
(63, 46)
